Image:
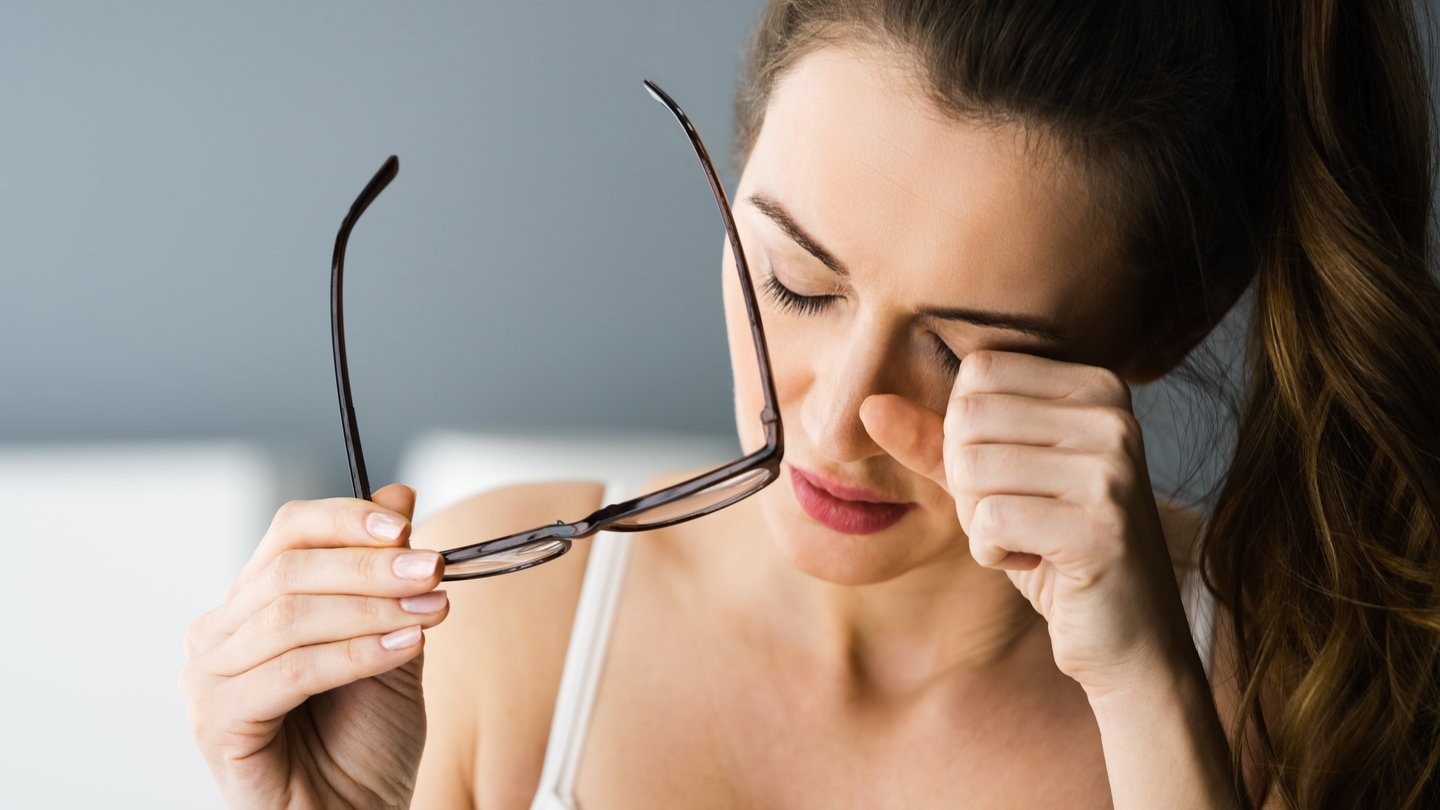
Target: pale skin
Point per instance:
(1015, 640)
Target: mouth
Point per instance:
(845, 509)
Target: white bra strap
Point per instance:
(1200, 610)
(584, 662)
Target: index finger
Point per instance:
(333, 523)
(1028, 375)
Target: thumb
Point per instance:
(911, 434)
(396, 497)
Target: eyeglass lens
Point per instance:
(703, 502)
(512, 560)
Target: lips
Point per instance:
(849, 510)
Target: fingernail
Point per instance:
(416, 565)
(384, 527)
(425, 602)
(400, 639)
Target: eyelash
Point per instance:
(795, 303)
(949, 360)
(791, 301)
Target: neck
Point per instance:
(950, 621)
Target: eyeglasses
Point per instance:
(690, 499)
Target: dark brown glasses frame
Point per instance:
(558, 536)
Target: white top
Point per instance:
(1199, 605)
(590, 638)
(585, 658)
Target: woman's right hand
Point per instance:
(304, 686)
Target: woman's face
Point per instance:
(887, 241)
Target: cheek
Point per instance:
(790, 362)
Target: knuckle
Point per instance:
(966, 465)
(976, 369)
(1121, 478)
(988, 520)
(374, 567)
(983, 551)
(288, 513)
(202, 726)
(207, 706)
(345, 524)
(195, 634)
(1107, 480)
(292, 668)
(964, 412)
(1122, 428)
(284, 572)
(355, 653)
(374, 611)
(196, 689)
(1108, 386)
(336, 518)
(1112, 521)
(283, 615)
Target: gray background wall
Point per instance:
(173, 175)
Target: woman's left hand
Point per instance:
(1047, 468)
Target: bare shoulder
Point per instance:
(493, 667)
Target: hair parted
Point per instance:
(1284, 146)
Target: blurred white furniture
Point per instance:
(110, 552)
(445, 467)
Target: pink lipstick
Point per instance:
(847, 510)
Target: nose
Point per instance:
(843, 375)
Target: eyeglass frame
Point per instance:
(608, 517)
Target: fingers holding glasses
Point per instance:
(295, 622)
(338, 546)
(295, 579)
(333, 523)
(324, 603)
(297, 627)
(306, 586)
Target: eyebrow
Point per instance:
(1035, 327)
(1025, 324)
(792, 229)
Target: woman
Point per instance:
(972, 224)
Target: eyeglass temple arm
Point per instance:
(770, 416)
(359, 481)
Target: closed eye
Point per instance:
(949, 360)
(791, 301)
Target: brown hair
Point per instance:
(1284, 145)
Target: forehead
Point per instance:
(857, 152)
